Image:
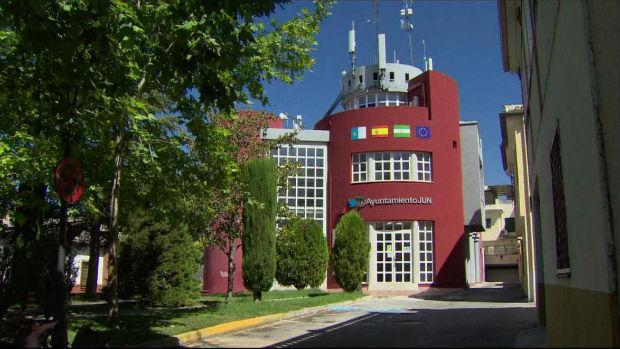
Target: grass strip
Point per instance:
(140, 324)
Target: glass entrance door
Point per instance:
(393, 255)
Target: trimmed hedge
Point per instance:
(351, 251)
(302, 254)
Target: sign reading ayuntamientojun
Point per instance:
(361, 202)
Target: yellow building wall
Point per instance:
(596, 326)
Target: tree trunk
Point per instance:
(257, 295)
(113, 316)
(93, 261)
(59, 334)
(231, 269)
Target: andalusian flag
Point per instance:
(379, 131)
(402, 131)
(358, 133)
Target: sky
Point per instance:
(462, 37)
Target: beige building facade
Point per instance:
(501, 248)
(566, 54)
(499, 210)
(514, 158)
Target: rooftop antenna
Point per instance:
(352, 46)
(375, 9)
(283, 117)
(297, 123)
(405, 23)
(424, 57)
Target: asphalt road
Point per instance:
(485, 316)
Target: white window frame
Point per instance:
(371, 99)
(424, 231)
(381, 166)
(360, 168)
(378, 266)
(423, 171)
(361, 101)
(417, 166)
(381, 99)
(308, 179)
(401, 166)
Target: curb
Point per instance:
(192, 336)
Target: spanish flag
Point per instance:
(379, 131)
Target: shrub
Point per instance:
(158, 261)
(302, 254)
(350, 252)
(173, 283)
(259, 224)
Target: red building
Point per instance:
(393, 154)
(406, 182)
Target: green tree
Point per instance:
(79, 76)
(350, 252)
(226, 195)
(302, 254)
(259, 221)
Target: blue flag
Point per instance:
(423, 131)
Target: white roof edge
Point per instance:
(302, 135)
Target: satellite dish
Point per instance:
(283, 116)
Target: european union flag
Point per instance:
(423, 131)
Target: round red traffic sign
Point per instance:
(69, 180)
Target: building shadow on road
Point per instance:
(497, 292)
(459, 327)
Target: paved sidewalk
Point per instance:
(532, 338)
(185, 339)
(485, 315)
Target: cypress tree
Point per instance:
(259, 223)
(350, 253)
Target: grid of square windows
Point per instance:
(393, 251)
(306, 190)
(382, 166)
(376, 100)
(423, 168)
(425, 242)
(401, 166)
(359, 167)
(392, 166)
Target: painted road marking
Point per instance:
(316, 334)
(382, 310)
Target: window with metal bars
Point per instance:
(559, 208)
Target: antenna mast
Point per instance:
(405, 23)
(352, 46)
(424, 57)
(375, 10)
